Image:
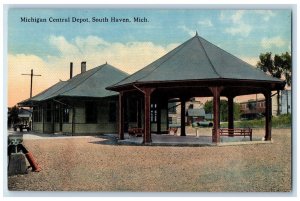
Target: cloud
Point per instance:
(238, 26)
(239, 29)
(205, 22)
(187, 30)
(266, 14)
(237, 16)
(129, 57)
(277, 41)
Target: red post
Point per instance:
(182, 126)
(216, 109)
(147, 123)
(268, 115)
(121, 116)
(32, 162)
(230, 115)
(158, 117)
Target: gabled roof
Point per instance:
(196, 59)
(91, 83)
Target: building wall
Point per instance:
(38, 127)
(48, 127)
(102, 125)
(286, 102)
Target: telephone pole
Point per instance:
(31, 78)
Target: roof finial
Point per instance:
(196, 33)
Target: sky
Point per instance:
(49, 47)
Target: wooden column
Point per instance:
(158, 119)
(139, 113)
(182, 119)
(147, 123)
(216, 110)
(121, 116)
(52, 117)
(43, 118)
(73, 119)
(230, 115)
(268, 115)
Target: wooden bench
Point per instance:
(174, 130)
(236, 132)
(137, 132)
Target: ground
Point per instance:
(97, 164)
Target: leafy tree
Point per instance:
(284, 62)
(13, 117)
(208, 107)
(280, 65)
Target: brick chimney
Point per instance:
(83, 66)
(71, 70)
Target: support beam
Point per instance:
(216, 110)
(43, 118)
(139, 113)
(230, 115)
(121, 116)
(52, 117)
(73, 119)
(158, 117)
(147, 124)
(268, 115)
(182, 121)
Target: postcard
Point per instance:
(120, 99)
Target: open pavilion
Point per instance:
(196, 68)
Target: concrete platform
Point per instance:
(189, 140)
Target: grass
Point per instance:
(281, 121)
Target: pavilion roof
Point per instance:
(195, 60)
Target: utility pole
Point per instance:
(31, 78)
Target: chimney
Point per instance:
(71, 70)
(83, 66)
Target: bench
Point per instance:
(173, 130)
(137, 132)
(236, 132)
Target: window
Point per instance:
(112, 112)
(65, 114)
(56, 113)
(48, 112)
(37, 114)
(90, 112)
(153, 113)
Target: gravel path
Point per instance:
(96, 164)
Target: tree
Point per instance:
(208, 107)
(280, 65)
(13, 117)
(285, 63)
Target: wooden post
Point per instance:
(147, 123)
(121, 116)
(182, 121)
(43, 118)
(52, 117)
(139, 113)
(268, 115)
(158, 117)
(230, 115)
(216, 109)
(73, 119)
